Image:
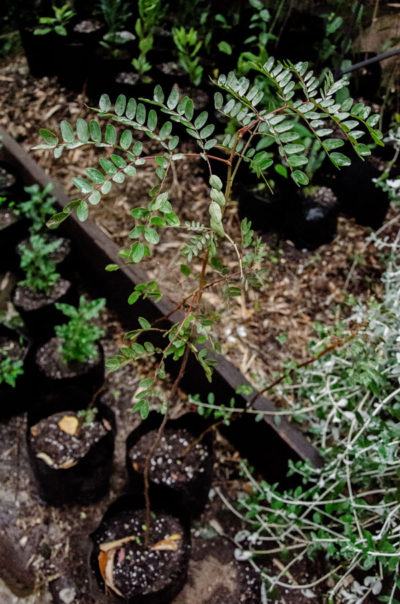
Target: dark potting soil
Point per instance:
(28, 300)
(58, 448)
(59, 253)
(166, 466)
(11, 349)
(138, 571)
(49, 359)
(7, 217)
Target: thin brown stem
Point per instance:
(155, 444)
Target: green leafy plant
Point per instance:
(188, 46)
(116, 14)
(10, 369)
(79, 336)
(151, 13)
(57, 24)
(300, 96)
(38, 207)
(345, 510)
(40, 269)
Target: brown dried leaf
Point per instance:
(106, 566)
(168, 544)
(69, 424)
(34, 431)
(109, 545)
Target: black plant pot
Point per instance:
(357, 194)
(115, 77)
(76, 388)
(88, 32)
(88, 479)
(41, 52)
(189, 493)
(116, 525)
(263, 209)
(365, 81)
(73, 65)
(14, 400)
(10, 186)
(41, 317)
(10, 235)
(311, 220)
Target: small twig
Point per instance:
(156, 443)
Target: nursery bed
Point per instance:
(303, 286)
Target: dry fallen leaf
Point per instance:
(109, 545)
(106, 566)
(34, 431)
(69, 424)
(135, 466)
(46, 458)
(168, 544)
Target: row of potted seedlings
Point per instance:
(54, 369)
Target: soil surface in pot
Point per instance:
(62, 439)
(136, 570)
(49, 359)
(27, 299)
(87, 26)
(7, 217)
(167, 466)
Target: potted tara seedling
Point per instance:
(70, 366)
(300, 97)
(71, 452)
(13, 372)
(35, 296)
